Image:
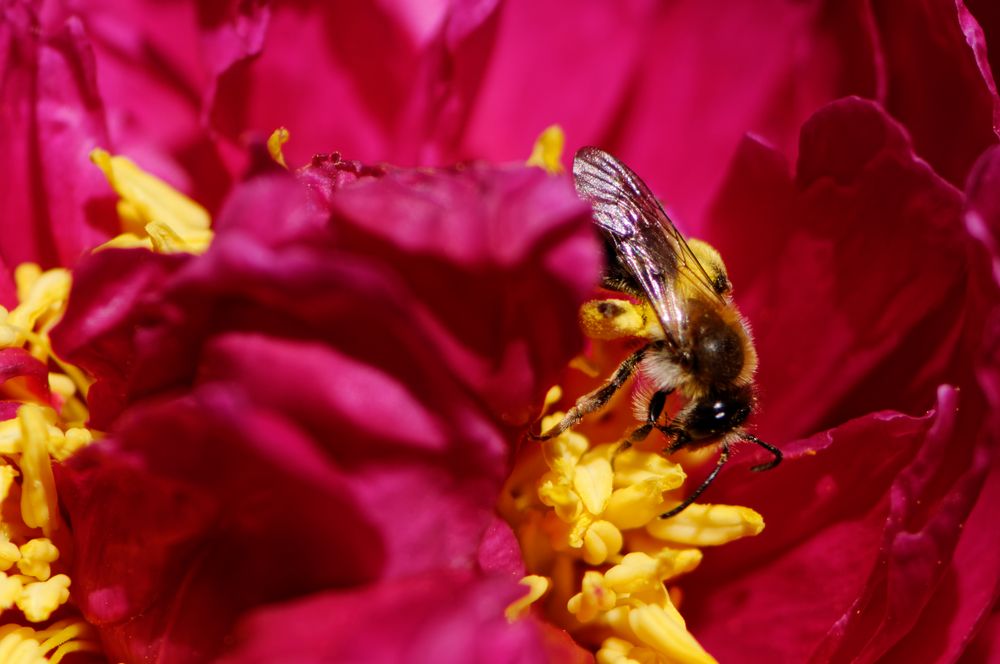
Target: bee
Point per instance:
(702, 350)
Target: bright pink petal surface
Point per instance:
(325, 410)
(389, 80)
(53, 201)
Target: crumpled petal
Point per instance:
(324, 411)
(883, 500)
(862, 218)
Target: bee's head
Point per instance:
(720, 411)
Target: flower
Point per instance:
(867, 272)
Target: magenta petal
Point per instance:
(54, 201)
(445, 617)
(987, 14)
(402, 101)
(425, 482)
(500, 551)
(962, 602)
(866, 230)
(712, 74)
(935, 51)
(982, 217)
(206, 508)
(884, 499)
(556, 62)
(154, 71)
(18, 364)
(105, 307)
(522, 267)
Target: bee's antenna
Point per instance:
(749, 437)
(723, 458)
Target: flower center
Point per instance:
(587, 515)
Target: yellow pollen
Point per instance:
(275, 142)
(707, 525)
(548, 149)
(154, 215)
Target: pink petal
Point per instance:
(710, 75)
(532, 229)
(17, 364)
(852, 274)
(112, 289)
(447, 617)
(315, 383)
(204, 510)
(385, 81)
(935, 51)
(54, 201)
(883, 502)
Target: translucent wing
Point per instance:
(646, 242)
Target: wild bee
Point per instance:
(702, 348)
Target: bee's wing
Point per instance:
(646, 241)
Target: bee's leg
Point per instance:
(680, 436)
(656, 405)
(592, 401)
(770, 448)
(723, 458)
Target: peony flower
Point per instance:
(867, 271)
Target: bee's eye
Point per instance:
(718, 413)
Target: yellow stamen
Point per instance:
(537, 587)
(28, 502)
(154, 215)
(548, 149)
(38, 600)
(39, 508)
(42, 298)
(275, 141)
(601, 541)
(707, 525)
(661, 632)
(594, 598)
(36, 556)
(24, 645)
